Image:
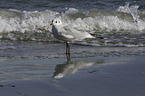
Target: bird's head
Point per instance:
(56, 22)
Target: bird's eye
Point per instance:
(55, 21)
(58, 21)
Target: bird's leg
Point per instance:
(67, 50)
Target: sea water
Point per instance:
(112, 22)
(28, 48)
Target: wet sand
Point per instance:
(118, 76)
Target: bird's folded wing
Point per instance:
(67, 36)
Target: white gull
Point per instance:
(63, 33)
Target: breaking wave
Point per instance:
(35, 25)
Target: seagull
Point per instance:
(63, 33)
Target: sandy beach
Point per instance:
(89, 74)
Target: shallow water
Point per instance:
(37, 60)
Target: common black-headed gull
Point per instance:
(61, 32)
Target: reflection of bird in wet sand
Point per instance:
(70, 67)
(64, 34)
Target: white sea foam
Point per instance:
(33, 21)
(125, 19)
